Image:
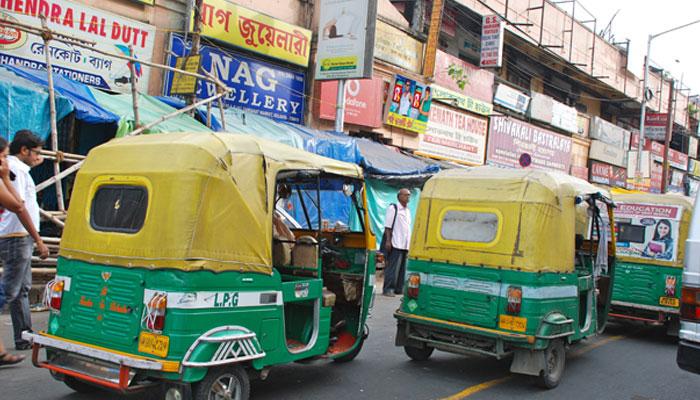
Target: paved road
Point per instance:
(635, 363)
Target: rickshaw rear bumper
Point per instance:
(98, 366)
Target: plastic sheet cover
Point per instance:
(86, 106)
(201, 111)
(26, 106)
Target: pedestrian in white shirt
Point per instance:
(16, 244)
(397, 235)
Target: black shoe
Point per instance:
(24, 345)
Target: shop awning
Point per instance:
(86, 107)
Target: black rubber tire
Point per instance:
(417, 353)
(351, 355)
(554, 363)
(79, 386)
(232, 373)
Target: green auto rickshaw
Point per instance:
(507, 262)
(651, 231)
(194, 262)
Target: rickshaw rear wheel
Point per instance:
(79, 386)
(418, 353)
(228, 382)
(554, 360)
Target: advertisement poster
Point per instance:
(346, 39)
(230, 23)
(409, 105)
(607, 174)
(454, 136)
(511, 98)
(363, 101)
(111, 32)
(513, 143)
(259, 87)
(648, 231)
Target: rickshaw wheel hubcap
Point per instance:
(227, 387)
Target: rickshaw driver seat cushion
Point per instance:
(282, 242)
(305, 252)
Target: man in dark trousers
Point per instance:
(397, 235)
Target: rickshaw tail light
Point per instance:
(515, 299)
(56, 295)
(157, 306)
(690, 304)
(413, 287)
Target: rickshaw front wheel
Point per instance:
(418, 353)
(554, 360)
(228, 382)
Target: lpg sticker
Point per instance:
(301, 290)
(226, 300)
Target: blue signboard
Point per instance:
(259, 87)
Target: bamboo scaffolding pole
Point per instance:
(67, 157)
(43, 185)
(134, 91)
(53, 219)
(52, 109)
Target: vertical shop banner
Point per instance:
(110, 32)
(514, 143)
(511, 98)
(607, 174)
(363, 101)
(492, 34)
(454, 135)
(409, 105)
(396, 47)
(263, 88)
(648, 231)
(346, 39)
(230, 23)
(655, 125)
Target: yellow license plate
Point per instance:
(511, 323)
(152, 343)
(669, 301)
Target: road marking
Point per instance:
(489, 384)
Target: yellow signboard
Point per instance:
(186, 84)
(239, 26)
(394, 46)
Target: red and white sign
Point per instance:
(363, 101)
(454, 135)
(675, 158)
(607, 174)
(479, 82)
(511, 141)
(491, 41)
(632, 210)
(655, 125)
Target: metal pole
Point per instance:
(134, 90)
(640, 145)
(195, 40)
(46, 36)
(340, 106)
(667, 142)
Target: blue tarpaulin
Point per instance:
(176, 103)
(25, 105)
(86, 107)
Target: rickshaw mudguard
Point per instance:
(555, 325)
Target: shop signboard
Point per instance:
(259, 87)
(564, 117)
(693, 187)
(478, 83)
(459, 100)
(492, 35)
(363, 101)
(396, 47)
(346, 39)
(694, 168)
(541, 107)
(111, 33)
(676, 159)
(514, 143)
(609, 133)
(607, 174)
(607, 153)
(230, 23)
(655, 125)
(409, 105)
(511, 98)
(648, 231)
(692, 147)
(676, 182)
(454, 136)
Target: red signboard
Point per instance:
(511, 140)
(675, 158)
(363, 101)
(655, 125)
(607, 174)
(478, 82)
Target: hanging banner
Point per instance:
(455, 136)
(230, 23)
(511, 98)
(409, 105)
(346, 39)
(111, 32)
(492, 34)
(514, 143)
(655, 125)
(607, 174)
(363, 101)
(647, 231)
(396, 47)
(259, 87)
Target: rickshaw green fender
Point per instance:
(555, 325)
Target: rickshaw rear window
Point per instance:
(119, 208)
(469, 226)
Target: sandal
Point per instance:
(10, 359)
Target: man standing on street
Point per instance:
(16, 245)
(397, 234)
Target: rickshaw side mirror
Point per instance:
(578, 200)
(348, 189)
